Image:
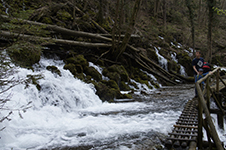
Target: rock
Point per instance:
(93, 73)
(78, 59)
(106, 93)
(117, 73)
(54, 69)
(71, 67)
(185, 60)
(25, 54)
(123, 86)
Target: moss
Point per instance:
(185, 60)
(25, 54)
(105, 93)
(111, 84)
(78, 59)
(93, 72)
(47, 20)
(71, 67)
(54, 69)
(79, 68)
(123, 86)
(125, 96)
(80, 76)
(64, 15)
(117, 73)
(111, 75)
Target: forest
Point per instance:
(121, 36)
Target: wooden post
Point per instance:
(208, 92)
(200, 135)
(220, 116)
(208, 118)
(217, 82)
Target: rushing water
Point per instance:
(67, 113)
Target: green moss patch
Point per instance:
(25, 54)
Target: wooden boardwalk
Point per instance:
(187, 131)
(186, 128)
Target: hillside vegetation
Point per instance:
(125, 37)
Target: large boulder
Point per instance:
(25, 54)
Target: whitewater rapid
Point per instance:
(67, 112)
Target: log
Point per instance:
(52, 40)
(60, 29)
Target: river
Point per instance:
(67, 113)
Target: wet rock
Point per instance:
(71, 67)
(117, 73)
(54, 69)
(78, 59)
(123, 86)
(25, 54)
(93, 73)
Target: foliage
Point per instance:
(6, 83)
(219, 11)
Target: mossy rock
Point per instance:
(105, 93)
(117, 73)
(79, 68)
(172, 65)
(78, 59)
(93, 73)
(71, 67)
(125, 96)
(111, 84)
(80, 76)
(111, 75)
(25, 54)
(185, 60)
(123, 86)
(54, 69)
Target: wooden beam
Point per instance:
(208, 118)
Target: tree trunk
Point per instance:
(100, 15)
(210, 4)
(61, 30)
(191, 16)
(164, 15)
(129, 29)
(48, 41)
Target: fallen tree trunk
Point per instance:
(148, 63)
(52, 40)
(61, 30)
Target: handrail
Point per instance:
(208, 75)
(203, 106)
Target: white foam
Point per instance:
(162, 61)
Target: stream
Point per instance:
(66, 112)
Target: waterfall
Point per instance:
(182, 71)
(162, 61)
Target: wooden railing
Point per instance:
(211, 89)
